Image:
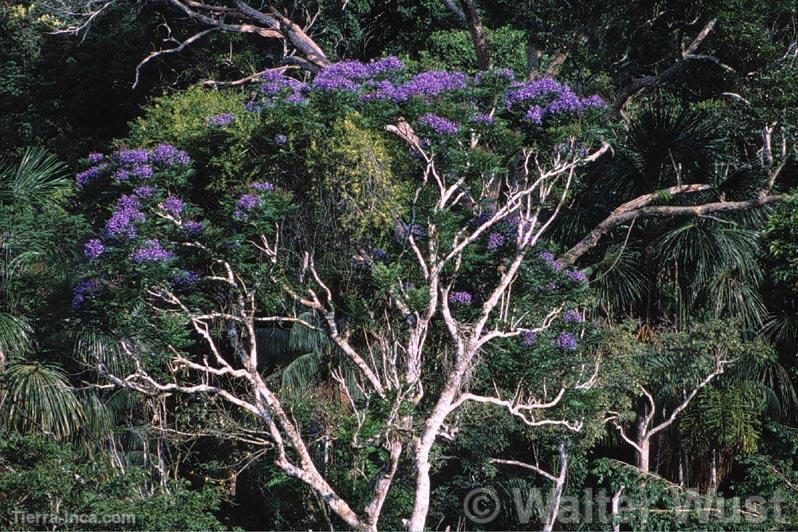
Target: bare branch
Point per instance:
(179, 48)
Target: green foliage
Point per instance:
(54, 481)
(357, 185)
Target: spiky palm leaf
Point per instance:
(662, 142)
(37, 181)
(92, 346)
(15, 336)
(37, 398)
(621, 279)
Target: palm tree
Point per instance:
(29, 191)
(34, 396)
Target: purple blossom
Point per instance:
(530, 337)
(93, 248)
(532, 90)
(498, 73)
(121, 175)
(125, 215)
(169, 155)
(547, 97)
(439, 124)
(495, 241)
(352, 75)
(95, 157)
(334, 83)
(566, 341)
(193, 227)
(221, 120)
(88, 287)
(142, 170)
(594, 101)
(274, 84)
(573, 316)
(173, 205)
(145, 191)
(577, 276)
(460, 298)
(87, 175)
(248, 201)
(185, 278)
(430, 84)
(263, 186)
(240, 215)
(534, 115)
(482, 119)
(386, 64)
(280, 139)
(133, 156)
(151, 251)
(548, 258)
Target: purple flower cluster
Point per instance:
(169, 155)
(424, 84)
(263, 186)
(84, 289)
(121, 175)
(484, 119)
(429, 84)
(576, 276)
(573, 316)
(548, 258)
(545, 97)
(530, 337)
(185, 278)
(566, 341)
(93, 248)
(126, 213)
(350, 75)
(499, 73)
(172, 205)
(221, 120)
(87, 175)
(495, 241)
(133, 156)
(280, 139)
(126, 163)
(439, 124)
(144, 191)
(142, 170)
(248, 202)
(151, 251)
(460, 298)
(275, 86)
(245, 203)
(193, 227)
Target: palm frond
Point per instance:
(15, 334)
(38, 180)
(37, 398)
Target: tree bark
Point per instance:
(477, 34)
(556, 496)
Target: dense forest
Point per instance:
(398, 264)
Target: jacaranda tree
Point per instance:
(443, 291)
